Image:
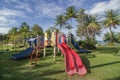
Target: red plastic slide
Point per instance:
(70, 68)
(72, 59)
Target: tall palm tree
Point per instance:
(60, 21)
(118, 37)
(93, 27)
(82, 23)
(88, 26)
(71, 12)
(111, 21)
(107, 37)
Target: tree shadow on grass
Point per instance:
(26, 76)
(14, 70)
(114, 78)
(106, 64)
(90, 55)
(50, 72)
(118, 53)
(107, 50)
(1, 51)
(86, 62)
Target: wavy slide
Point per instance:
(72, 59)
(22, 54)
(77, 46)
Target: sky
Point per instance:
(43, 12)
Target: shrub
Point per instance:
(85, 45)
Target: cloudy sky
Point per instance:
(43, 12)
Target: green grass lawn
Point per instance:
(104, 66)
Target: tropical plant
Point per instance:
(24, 32)
(118, 37)
(13, 36)
(68, 26)
(51, 29)
(60, 21)
(112, 20)
(93, 28)
(71, 12)
(37, 30)
(87, 27)
(107, 37)
(2, 37)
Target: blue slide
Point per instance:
(22, 54)
(77, 46)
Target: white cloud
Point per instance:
(52, 9)
(20, 5)
(3, 19)
(8, 12)
(7, 16)
(101, 7)
(49, 9)
(4, 30)
(76, 3)
(23, 5)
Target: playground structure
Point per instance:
(50, 42)
(81, 50)
(23, 54)
(73, 62)
(37, 47)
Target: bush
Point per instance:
(85, 45)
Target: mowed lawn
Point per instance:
(102, 64)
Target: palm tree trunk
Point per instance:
(110, 35)
(93, 39)
(71, 24)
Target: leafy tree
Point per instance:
(83, 21)
(93, 28)
(51, 29)
(88, 26)
(36, 29)
(118, 37)
(71, 12)
(60, 21)
(24, 32)
(107, 37)
(68, 26)
(13, 31)
(2, 37)
(13, 35)
(111, 20)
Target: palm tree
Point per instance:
(118, 37)
(68, 26)
(93, 27)
(71, 12)
(60, 20)
(88, 26)
(107, 37)
(111, 21)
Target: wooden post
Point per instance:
(54, 52)
(45, 39)
(44, 52)
(54, 43)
